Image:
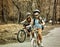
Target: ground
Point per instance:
(52, 39)
(8, 32)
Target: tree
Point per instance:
(48, 12)
(19, 12)
(3, 12)
(54, 12)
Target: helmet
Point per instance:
(28, 13)
(36, 11)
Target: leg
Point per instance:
(40, 36)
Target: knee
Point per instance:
(40, 36)
(32, 34)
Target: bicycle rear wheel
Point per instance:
(21, 36)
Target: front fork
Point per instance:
(34, 38)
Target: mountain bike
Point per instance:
(34, 39)
(22, 34)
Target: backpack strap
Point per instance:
(34, 21)
(40, 20)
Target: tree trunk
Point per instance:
(54, 13)
(19, 12)
(3, 12)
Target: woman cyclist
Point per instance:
(37, 23)
(28, 23)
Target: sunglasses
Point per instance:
(35, 15)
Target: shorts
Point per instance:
(38, 26)
(30, 29)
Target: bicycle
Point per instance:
(22, 35)
(34, 39)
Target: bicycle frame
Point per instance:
(34, 39)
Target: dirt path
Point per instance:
(8, 32)
(50, 40)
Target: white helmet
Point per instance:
(36, 11)
(28, 13)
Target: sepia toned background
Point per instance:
(13, 11)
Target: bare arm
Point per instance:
(23, 21)
(31, 23)
(43, 23)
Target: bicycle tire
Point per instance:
(18, 38)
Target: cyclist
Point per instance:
(28, 23)
(37, 23)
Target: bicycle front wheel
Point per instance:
(21, 36)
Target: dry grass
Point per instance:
(8, 32)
